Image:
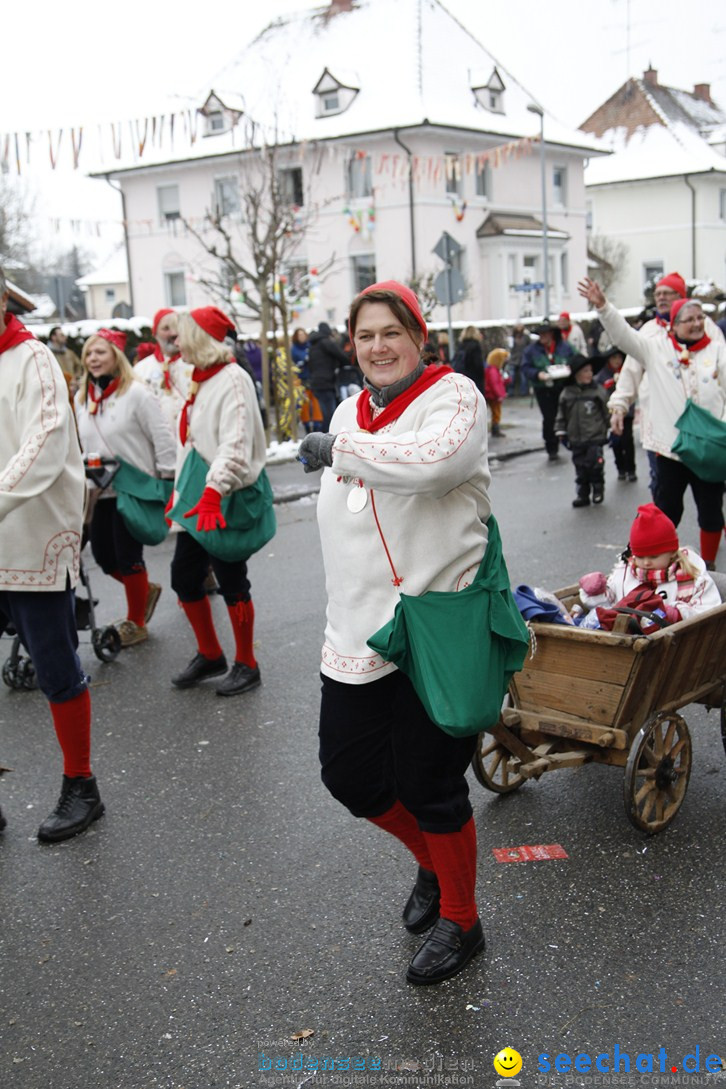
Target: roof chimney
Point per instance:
(650, 75)
(336, 6)
(703, 91)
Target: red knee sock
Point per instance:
(72, 721)
(402, 824)
(137, 590)
(199, 615)
(454, 861)
(709, 545)
(242, 615)
(116, 575)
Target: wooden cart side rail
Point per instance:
(566, 727)
(688, 661)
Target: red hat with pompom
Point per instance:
(652, 533)
(213, 321)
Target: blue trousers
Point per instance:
(45, 620)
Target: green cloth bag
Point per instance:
(141, 500)
(460, 650)
(248, 512)
(701, 443)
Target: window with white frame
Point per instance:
(483, 180)
(110, 294)
(588, 215)
(168, 201)
(175, 289)
(530, 268)
(364, 271)
(652, 270)
(298, 281)
(226, 195)
(359, 181)
(565, 272)
(559, 185)
(722, 203)
(290, 181)
(512, 271)
(452, 167)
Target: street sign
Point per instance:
(447, 248)
(450, 287)
(527, 287)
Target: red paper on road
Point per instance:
(537, 853)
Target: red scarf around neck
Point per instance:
(685, 351)
(96, 395)
(14, 333)
(165, 363)
(199, 375)
(392, 411)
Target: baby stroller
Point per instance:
(18, 670)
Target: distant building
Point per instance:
(107, 289)
(663, 190)
(391, 124)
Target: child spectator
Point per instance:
(583, 423)
(622, 446)
(495, 387)
(655, 561)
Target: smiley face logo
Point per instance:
(508, 1062)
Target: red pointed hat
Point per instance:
(113, 336)
(675, 282)
(652, 533)
(157, 318)
(407, 297)
(213, 321)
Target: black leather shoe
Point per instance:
(422, 907)
(445, 952)
(78, 806)
(240, 678)
(199, 668)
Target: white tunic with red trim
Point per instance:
(428, 476)
(42, 482)
(172, 395)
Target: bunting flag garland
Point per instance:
(54, 151)
(459, 208)
(76, 145)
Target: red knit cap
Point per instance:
(679, 304)
(407, 297)
(565, 314)
(157, 318)
(675, 282)
(213, 321)
(113, 336)
(652, 533)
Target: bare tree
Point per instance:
(611, 257)
(252, 237)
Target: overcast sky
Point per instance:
(76, 64)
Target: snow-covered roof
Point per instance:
(413, 62)
(656, 132)
(113, 271)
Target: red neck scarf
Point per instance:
(393, 410)
(199, 375)
(165, 363)
(685, 351)
(96, 395)
(14, 333)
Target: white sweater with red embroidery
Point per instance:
(427, 474)
(171, 397)
(42, 482)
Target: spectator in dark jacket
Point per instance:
(544, 365)
(469, 358)
(325, 358)
(583, 422)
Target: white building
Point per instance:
(662, 193)
(107, 288)
(392, 124)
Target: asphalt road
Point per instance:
(225, 902)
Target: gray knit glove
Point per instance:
(316, 451)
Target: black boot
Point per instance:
(78, 806)
(422, 907)
(598, 493)
(3, 822)
(583, 496)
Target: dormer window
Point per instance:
(332, 94)
(220, 115)
(490, 94)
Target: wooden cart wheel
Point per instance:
(492, 763)
(657, 772)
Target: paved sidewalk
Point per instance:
(521, 424)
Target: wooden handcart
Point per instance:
(609, 698)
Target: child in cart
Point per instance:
(654, 575)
